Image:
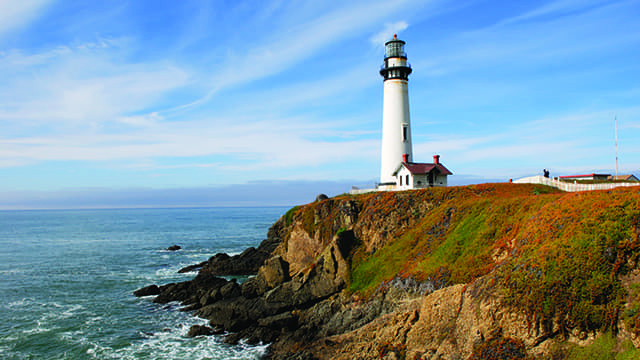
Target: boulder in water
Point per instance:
(202, 330)
(147, 291)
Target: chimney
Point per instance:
(436, 159)
(405, 158)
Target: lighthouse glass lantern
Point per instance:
(395, 48)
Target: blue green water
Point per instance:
(67, 277)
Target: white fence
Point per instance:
(362, 191)
(567, 186)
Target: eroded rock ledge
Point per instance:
(298, 299)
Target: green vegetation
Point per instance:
(541, 189)
(456, 241)
(605, 347)
(570, 260)
(557, 257)
(631, 315)
(288, 216)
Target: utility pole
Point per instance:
(616, 127)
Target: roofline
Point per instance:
(405, 164)
(583, 175)
(626, 176)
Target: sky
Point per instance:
(206, 103)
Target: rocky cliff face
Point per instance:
(498, 271)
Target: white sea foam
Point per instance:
(201, 255)
(191, 273)
(71, 311)
(93, 320)
(20, 303)
(12, 272)
(37, 329)
(173, 343)
(171, 271)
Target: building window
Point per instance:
(405, 133)
(407, 180)
(400, 180)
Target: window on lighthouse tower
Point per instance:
(404, 133)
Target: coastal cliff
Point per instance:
(502, 271)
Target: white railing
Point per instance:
(571, 187)
(362, 191)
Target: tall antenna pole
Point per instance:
(616, 126)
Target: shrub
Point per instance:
(499, 348)
(288, 216)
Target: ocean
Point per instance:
(67, 277)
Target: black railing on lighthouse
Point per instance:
(383, 66)
(396, 71)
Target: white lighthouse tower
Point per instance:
(396, 126)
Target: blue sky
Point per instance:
(104, 100)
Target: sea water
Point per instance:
(67, 278)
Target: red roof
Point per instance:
(424, 168)
(581, 176)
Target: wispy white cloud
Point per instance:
(80, 89)
(80, 85)
(564, 143)
(145, 120)
(553, 9)
(276, 53)
(542, 38)
(273, 144)
(389, 30)
(15, 14)
(335, 88)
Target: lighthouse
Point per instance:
(396, 125)
(398, 169)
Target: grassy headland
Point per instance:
(558, 257)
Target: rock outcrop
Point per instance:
(147, 291)
(202, 330)
(431, 274)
